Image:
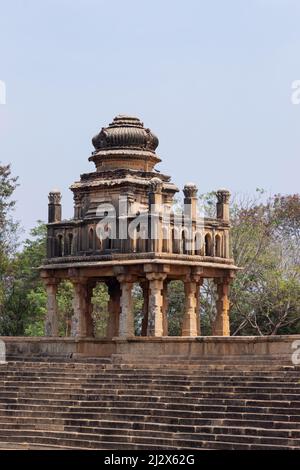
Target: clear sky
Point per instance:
(211, 78)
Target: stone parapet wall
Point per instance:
(270, 348)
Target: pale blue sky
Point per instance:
(211, 78)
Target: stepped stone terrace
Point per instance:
(125, 230)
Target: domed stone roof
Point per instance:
(124, 132)
(123, 143)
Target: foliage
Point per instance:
(8, 229)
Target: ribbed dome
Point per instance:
(125, 132)
(125, 143)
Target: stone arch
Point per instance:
(218, 245)
(141, 239)
(165, 239)
(59, 245)
(107, 242)
(99, 245)
(70, 243)
(91, 238)
(175, 240)
(198, 243)
(185, 241)
(208, 245)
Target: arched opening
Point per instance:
(184, 241)
(139, 297)
(100, 313)
(59, 243)
(70, 244)
(176, 303)
(218, 246)
(134, 240)
(198, 244)
(165, 241)
(65, 294)
(91, 239)
(175, 241)
(107, 241)
(141, 242)
(208, 245)
(99, 246)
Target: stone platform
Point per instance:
(250, 348)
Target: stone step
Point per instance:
(99, 372)
(122, 404)
(109, 445)
(141, 421)
(193, 386)
(159, 439)
(169, 410)
(169, 416)
(88, 397)
(136, 428)
(112, 377)
(189, 401)
(172, 366)
(197, 382)
(95, 393)
(66, 360)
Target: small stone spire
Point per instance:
(54, 206)
(190, 200)
(223, 196)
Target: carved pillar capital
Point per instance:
(156, 276)
(125, 278)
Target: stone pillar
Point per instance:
(81, 320)
(145, 287)
(199, 284)
(51, 320)
(190, 320)
(113, 308)
(155, 320)
(221, 326)
(165, 307)
(89, 311)
(126, 322)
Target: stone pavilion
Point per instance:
(125, 230)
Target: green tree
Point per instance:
(8, 229)
(265, 296)
(25, 297)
